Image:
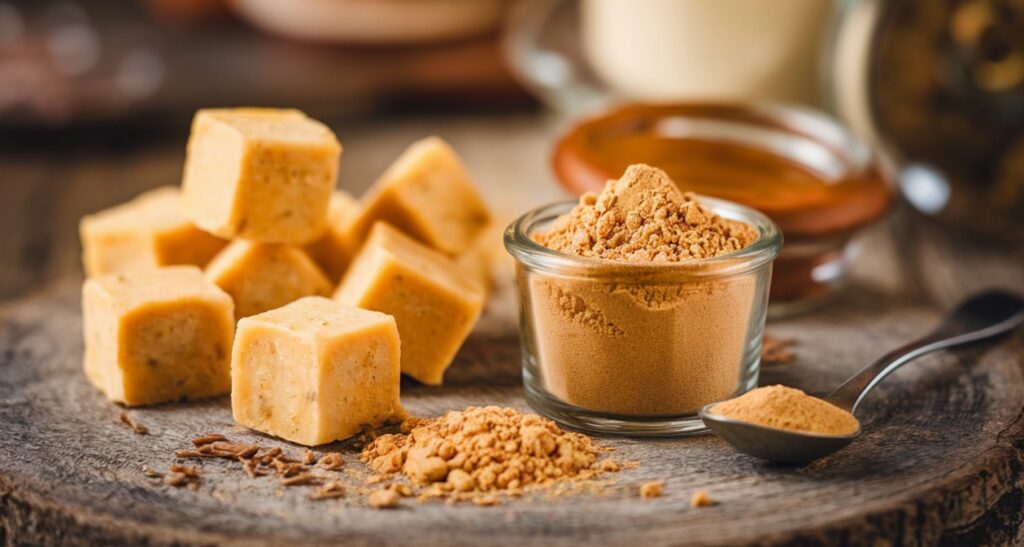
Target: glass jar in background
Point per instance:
(935, 88)
(939, 88)
(576, 55)
(724, 84)
(816, 180)
(672, 50)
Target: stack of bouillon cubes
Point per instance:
(333, 297)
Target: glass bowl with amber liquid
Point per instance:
(818, 182)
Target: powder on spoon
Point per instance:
(787, 408)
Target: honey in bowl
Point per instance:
(815, 180)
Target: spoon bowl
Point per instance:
(777, 445)
(981, 317)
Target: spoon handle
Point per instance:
(981, 317)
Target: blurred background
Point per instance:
(96, 97)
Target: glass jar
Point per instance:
(938, 87)
(671, 50)
(817, 181)
(578, 54)
(638, 348)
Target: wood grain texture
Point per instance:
(941, 462)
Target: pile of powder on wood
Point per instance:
(485, 451)
(782, 407)
(644, 217)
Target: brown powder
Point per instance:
(331, 461)
(127, 420)
(481, 451)
(329, 490)
(207, 439)
(659, 345)
(701, 498)
(258, 461)
(383, 499)
(183, 475)
(643, 217)
(653, 489)
(782, 407)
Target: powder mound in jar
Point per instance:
(484, 450)
(644, 217)
(782, 407)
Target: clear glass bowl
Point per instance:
(734, 145)
(819, 183)
(638, 348)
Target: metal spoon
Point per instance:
(980, 317)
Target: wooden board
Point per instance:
(940, 461)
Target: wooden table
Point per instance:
(942, 460)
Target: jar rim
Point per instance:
(761, 251)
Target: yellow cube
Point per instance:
(331, 252)
(260, 174)
(427, 194)
(157, 335)
(263, 276)
(434, 303)
(315, 371)
(147, 232)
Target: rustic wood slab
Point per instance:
(940, 461)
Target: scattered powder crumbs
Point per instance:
(643, 217)
(701, 498)
(376, 479)
(329, 490)
(135, 426)
(653, 489)
(383, 499)
(207, 439)
(259, 461)
(788, 408)
(478, 455)
(486, 500)
(300, 478)
(403, 490)
(331, 461)
(776, 351)
(186, 470)
(151, 473)
(482, 452)
(183, 475)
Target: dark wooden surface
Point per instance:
(941, 461)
